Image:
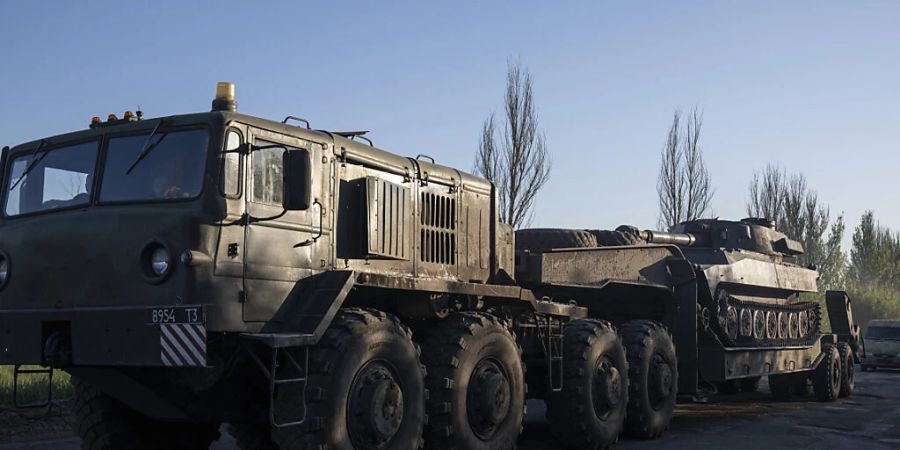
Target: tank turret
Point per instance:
(751, 234)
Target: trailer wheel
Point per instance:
(476, 384)
(652, 378)
(827, 377)
(365, 388)
(546, 238)
(589, 412)
(104, 423)
(252, 436)
(848, 375)
(750, 384)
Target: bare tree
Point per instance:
(518, 162)
(767, 193)
(684, 187)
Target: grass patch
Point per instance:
(32, 388)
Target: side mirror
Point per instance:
(297, 180)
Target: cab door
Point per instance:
(281, 247)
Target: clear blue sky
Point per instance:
(813, 86)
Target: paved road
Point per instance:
(868, 420)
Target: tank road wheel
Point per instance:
(589, 412)
(105, 424)
(783, 325)
(793, 326)
(827, 377)
(746, 317)
(759, 325)
(252, 436)
(652, 378)
(476, 384)
(365, 390)
(771, 325)
(731, 323)
(848, 375)
(803, 323)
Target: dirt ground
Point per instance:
(870, 419)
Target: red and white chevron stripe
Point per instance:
(182, 344)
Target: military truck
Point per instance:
(313, 291)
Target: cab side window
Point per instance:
(231, 165)
(268, 170)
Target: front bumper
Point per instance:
(160, 336)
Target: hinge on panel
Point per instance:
(232, 250)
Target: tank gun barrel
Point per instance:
(683, 239)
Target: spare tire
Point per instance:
(547, 238)
(608, 238)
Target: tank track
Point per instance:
(753, 324)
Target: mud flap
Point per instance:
(310, 308)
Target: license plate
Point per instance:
(177, 314)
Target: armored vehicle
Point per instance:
(314, 291)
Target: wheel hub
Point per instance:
(607, 388)
(489, 398)
(659, 380)
(376, 406)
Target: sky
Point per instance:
(812, 86)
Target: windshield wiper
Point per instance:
(32, 163)
(147, 147)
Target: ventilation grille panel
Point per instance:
(387, 205)
(437, 219)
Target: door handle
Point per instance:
(313, 239)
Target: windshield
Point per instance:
(45, 178)
(886, 333)
(59, 178)
(172, 166)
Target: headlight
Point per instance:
(4, 270)
(160, 261)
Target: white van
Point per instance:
(882, 342)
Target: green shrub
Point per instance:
(33, 388)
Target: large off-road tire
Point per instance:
(589, 412)
(848, 372)
(547, 238)
(365, 391)
(104, 423)
(827, 376)
(476, 384)
(652, 378)
(607, 238)
(252, 436)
